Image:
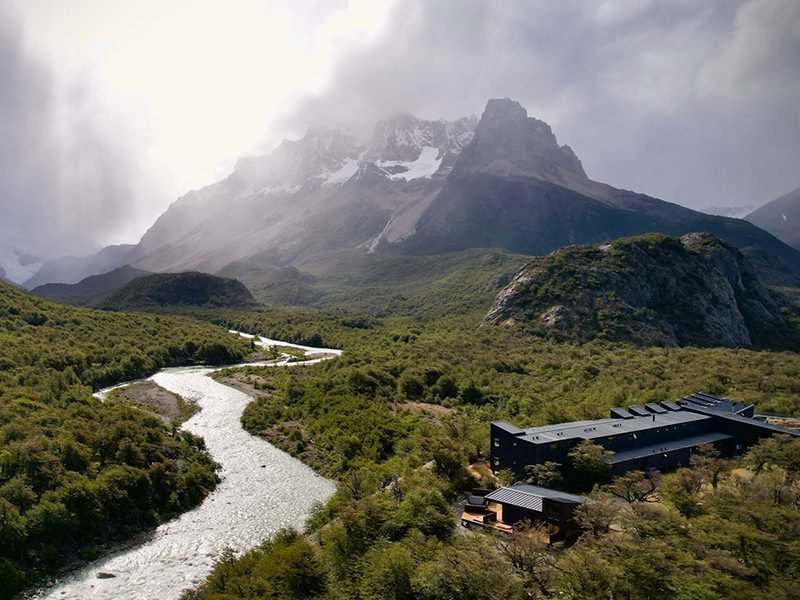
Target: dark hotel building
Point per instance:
(654, 436)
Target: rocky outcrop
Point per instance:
(649, 290)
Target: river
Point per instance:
(262, 490)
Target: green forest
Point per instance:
(77, 474)
(399, 417)
(397, 421)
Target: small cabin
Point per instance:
(507, 507)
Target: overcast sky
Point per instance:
(110, 109)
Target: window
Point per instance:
(553, 446)
(496, 462)
(496, 442)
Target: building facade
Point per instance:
(659, 435)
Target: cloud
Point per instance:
(691, 101)
(73, 166)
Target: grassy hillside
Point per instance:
(179, 289)
(352, 280)
(76, 472)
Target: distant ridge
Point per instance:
(781, 217)
(415, 188)
(72, 269)
(179, 289)
(91, 290)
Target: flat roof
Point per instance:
(729, 416)
(666, 447)
(604, 427)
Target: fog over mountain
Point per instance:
(690, 101)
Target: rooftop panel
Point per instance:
(506, 426)
(664, 447)
(741, 419)
(588, 430)
(639, 411)
(620, 413)
(655, 408)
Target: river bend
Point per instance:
(262, 490)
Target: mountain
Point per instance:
(16, 263)
(649, 290)
(516, 188)
(325, 191)
(72, 269)
(735, 212)
(90, 290)
(781, 217)
(179, 289)
(415, 188)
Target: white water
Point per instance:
(263, 489)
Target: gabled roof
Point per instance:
(530, 496)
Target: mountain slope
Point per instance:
(90, 290)
(516, 188)
(781, 217)
(179, 289)
(649, 290)
(72, 269)
(417, 188)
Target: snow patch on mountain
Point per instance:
(344, 173)
(428, 163)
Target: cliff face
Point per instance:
(650, 289)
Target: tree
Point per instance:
(386, 572)
(682, 488)
(589, 464)
(709, 463)
(781, 451)
(634, 486)
(547, 474)
(597, 513)
(470, 568)
(528, 552)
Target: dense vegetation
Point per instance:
(651, 290)
(76, 472)
(178, 289)
(419, 286)
(706, 532)
(398, 419)
(91, 290)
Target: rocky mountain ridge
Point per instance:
(416, 188)
(649, 290)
